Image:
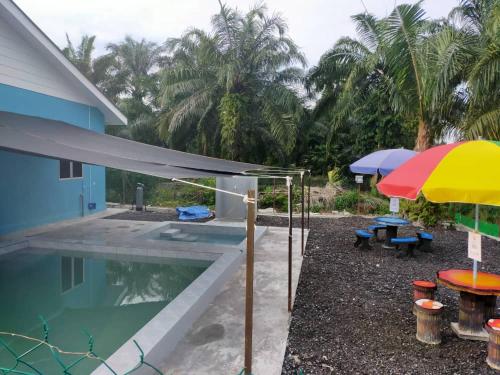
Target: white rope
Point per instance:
(244, 196)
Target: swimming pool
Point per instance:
(111, 296)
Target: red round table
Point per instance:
(477, 300)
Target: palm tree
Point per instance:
(349, 73)
(479, 21)
(417, 64)
(137, 65)
(102, 71)
(81, 56)
(234, 87)
(138, 62)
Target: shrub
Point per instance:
(281, 197)
(425, 212)
(179, 194)
(374, 205)
(347, 201)
(334, 177)
(113, 196)
(317, 208)
(280, 200)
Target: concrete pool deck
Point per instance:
(214, 344)
(215, 339)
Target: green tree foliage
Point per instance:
(478, 22)
(432, 78)
(128, 75)
(103, 71)
(234, 88)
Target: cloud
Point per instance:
(314, 24)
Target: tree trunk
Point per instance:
(423, 137)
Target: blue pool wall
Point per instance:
(41, 293)
(30, 189)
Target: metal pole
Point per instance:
(274, 195)
(249, 281)
(308, 199)
(476, 227)
(359, 195)
(290, 218)
(302, 213)
(123, 187)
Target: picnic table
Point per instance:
(477, 300)
(392, 223)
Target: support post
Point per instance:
(274, 195)
(302, 213)
(308, 199)
(359, 195)
(249, 281)
(289, 185)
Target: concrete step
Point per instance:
(169, 233)
(179, 236)
(184, 237)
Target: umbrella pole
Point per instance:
(249, 281)
(476, 227)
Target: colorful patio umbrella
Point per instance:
(383, 161)
(463, 172)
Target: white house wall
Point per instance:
(23, 66)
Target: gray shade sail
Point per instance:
(59, 140)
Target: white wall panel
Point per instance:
(21, 65)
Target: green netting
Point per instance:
(484, 226)
(68, 362)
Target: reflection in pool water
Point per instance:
(109, 297)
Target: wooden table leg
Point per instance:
(390, 232)
(490, 305)
(471, 315)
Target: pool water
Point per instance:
(110, 297)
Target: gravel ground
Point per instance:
(352, 312)
(163, 215)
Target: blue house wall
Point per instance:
(31, 192)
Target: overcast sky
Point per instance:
(315, 25)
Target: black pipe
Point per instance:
(290, 211)
(309, 199)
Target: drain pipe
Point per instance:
(81, 205)
(90, 166)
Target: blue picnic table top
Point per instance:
(392, 221)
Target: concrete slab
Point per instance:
(467, 335)
(58, 225)
(215, 342)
